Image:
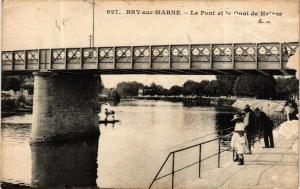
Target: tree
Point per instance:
(29, 87)
(211, 88)
(255, 86)
(176, 90)
(193, 88)
(114, 95)
(129, 88)
(201, 90)
(11, 83)
(244, 86)
(287, 87)
(265, 87)
(156, 89)
(225, 84)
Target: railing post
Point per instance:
(232, 153)
(97, 59)
(25, 59)
(211, 53)
(200, 151)
(219, 151)
(39, 59)
(115, 58)
(280, 56)
(173, 165)
(233, 56)
(13, 60)
(132, 57)
(150, 57)
(66, 59)
(190, 56)
(51, 59)
(81, 58)
(170, 56)
(256, 56)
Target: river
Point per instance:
(127, 154)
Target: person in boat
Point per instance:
(267, 126)
(250, 125)
(107, 113)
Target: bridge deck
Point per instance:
(193, 59)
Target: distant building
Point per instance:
(145, 91)
(140, 92)
(14, 94)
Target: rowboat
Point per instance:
(108, 121)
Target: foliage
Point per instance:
(255, 86)
(29, 87)
(114, 95)
(265, 87)
(190, 88)
(176, 90)
(225, 84)
(20, 100)
(212, 88)
(11, 83)
(129, 88)
(287, 87)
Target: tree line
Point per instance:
(17, 83)
(261, 87)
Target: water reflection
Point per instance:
(131, 151)
(224, 125)
(65, 165)
(114, 102)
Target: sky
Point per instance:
(31, 24)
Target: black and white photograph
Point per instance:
(154, 94)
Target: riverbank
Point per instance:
(270, 107)
(265, 168)
(16, 105)
(188, 100)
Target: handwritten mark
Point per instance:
(61, 23)
(261, 21)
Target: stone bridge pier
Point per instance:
(65, 106)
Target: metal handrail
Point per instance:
(214, 133)
(198, 162)
(200, 154)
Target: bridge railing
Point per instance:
(186, 56)
(200, 160)
(223, 134)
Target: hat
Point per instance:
(246, 107)
(257, 110)
(235, 117)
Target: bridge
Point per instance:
(66, 80)
(193, 59)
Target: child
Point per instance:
(238, 140)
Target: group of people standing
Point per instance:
(291, 110)
(250, 122)
(246, 126)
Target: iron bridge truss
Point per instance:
(190, 59)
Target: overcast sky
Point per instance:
(34, 24)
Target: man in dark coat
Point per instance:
(250, 125)
(267, 126)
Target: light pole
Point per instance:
(93, 23)
(92, 37)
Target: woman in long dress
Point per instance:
(238, 140)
